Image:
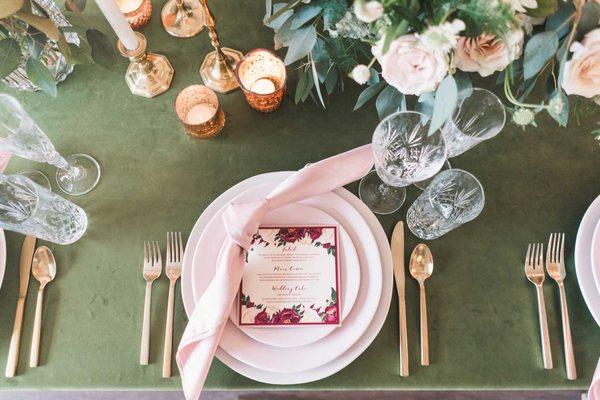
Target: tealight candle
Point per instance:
(198, 109)
(200, 113)
(262, 77)
(137, 12)
(263, 86)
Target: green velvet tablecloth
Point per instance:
(482, 310)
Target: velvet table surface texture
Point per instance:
(482, 311)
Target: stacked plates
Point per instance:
(287, 355)
(587, 258)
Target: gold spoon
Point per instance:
(421, 267)
(43, 268)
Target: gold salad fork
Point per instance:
(534, 270)
(555, 265)
(152, 270)
(173, 272)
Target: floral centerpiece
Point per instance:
(432, 49)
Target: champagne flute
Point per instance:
(20, 135)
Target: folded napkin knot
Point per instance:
(242, 220)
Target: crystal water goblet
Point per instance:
(422, 185)
(20, 135)
(30, 209)
(453, 198)
(478, 116)
(404, 153)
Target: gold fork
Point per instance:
(534, 270)
(555, 265)
(152, 269)
(173, 271)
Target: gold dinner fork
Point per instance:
(534, 270)
(555, 265)
(173, 271)
(152, 270)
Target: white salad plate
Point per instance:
(210, 248)
(301, 358)
(378, 317)
(587, 276)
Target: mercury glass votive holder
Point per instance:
(199, 111)
(262, 77)
(137, 12)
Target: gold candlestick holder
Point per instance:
(148, 74)
(218, 68)
(182, 18)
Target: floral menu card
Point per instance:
(291, 278)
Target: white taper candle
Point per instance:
(117, 21)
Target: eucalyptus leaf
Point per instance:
(103, 51)
(557, 22)
(333, 11)
(301, 44)
(331, 80)
(425, 104)
(40, 76)
(463, 84)
(40, 23)
(589, 17)
(278, 10)
(36, 41)
(316, 81)
(276, 23)
(539, 49)
(304, 86)
(10, 56)
(9, 7)
(444, 103)
(321, 59)
(373, 77)
(368, 94)
(284, 35)
(389, 101)
(305, 14)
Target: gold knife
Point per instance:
(398, 257)
(24, 272)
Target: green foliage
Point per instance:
(39, 74)
(484, 16)
(543, 9)
(446, 97)
(10, 56)
(539, 49)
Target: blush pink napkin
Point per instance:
(203, 332)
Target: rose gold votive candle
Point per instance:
(137, 12)
(262, 77)
(198, 109)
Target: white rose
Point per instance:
(487, 54)
(369, 11)
(582, 71)
(310, 315)
(327, 236)
(443, 37)
(361, 74)
(268, 235)
(248, 314)
(409, 67)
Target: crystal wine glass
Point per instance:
(30, 209)
(479, 116)
(404, 153)
(453, 198)
(20, 135)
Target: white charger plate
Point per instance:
(586, 275)
(2, 256)
(595, 255)
(352, 353)
(297, 359)
(210, 248)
